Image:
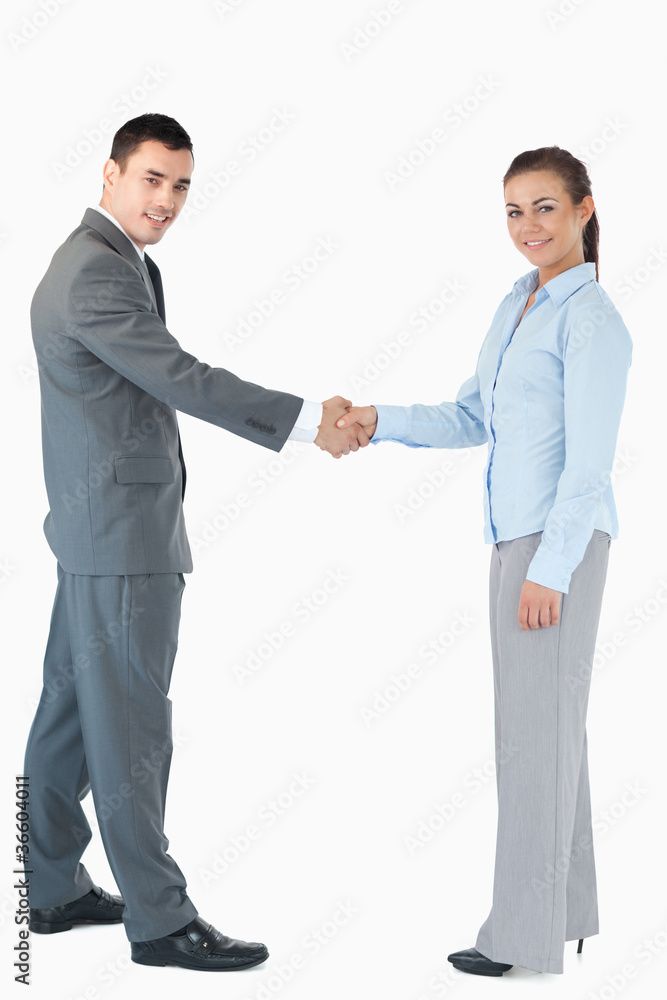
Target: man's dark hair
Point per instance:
(158, 128)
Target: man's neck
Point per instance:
(107, 214)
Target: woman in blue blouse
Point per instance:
(546, 396)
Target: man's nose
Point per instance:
(165, 198)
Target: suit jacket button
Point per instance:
(270, 430)
(262, 427)
(250, 422)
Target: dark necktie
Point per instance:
(156, 281)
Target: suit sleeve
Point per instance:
(111, 316)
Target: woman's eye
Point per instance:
(513, 214)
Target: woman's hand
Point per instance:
(365, 416)
(539, 606)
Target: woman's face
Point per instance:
(543, 223)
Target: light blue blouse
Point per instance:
(547, 396)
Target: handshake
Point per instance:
(344, 427)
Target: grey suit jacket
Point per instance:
(111, 378)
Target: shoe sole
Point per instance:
(476, 972)
(39, 927)
(155, 961)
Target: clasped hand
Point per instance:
(344, 427)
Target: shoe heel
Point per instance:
(580, 946)
(143, 954)
(41, 927)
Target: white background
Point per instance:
(591, 79)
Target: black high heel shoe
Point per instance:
(472, 961)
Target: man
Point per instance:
(111, 377)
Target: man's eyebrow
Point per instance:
(156, 173)
(510, 204)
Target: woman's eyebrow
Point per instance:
(510, 204)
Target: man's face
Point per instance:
(148, 195)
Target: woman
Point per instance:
(547, 396)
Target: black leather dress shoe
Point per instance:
(201, 947)
(472, 961)
(96, 907)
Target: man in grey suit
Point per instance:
(111, 378)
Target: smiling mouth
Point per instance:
(156, 219)
(536, 243)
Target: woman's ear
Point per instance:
(586, 209)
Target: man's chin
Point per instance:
(152, 236)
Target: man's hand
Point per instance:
(339, 441)
(539, 606)
(365, 416)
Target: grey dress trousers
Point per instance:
(104, 722)
(544, 890)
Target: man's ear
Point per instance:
(110, 172)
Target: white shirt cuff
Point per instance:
(307, 423)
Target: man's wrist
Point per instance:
(307, 423)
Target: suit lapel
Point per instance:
(148, 270)
(120, 243)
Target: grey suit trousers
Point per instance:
(104, 723)
(544, 890)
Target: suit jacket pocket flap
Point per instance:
(140, 469)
